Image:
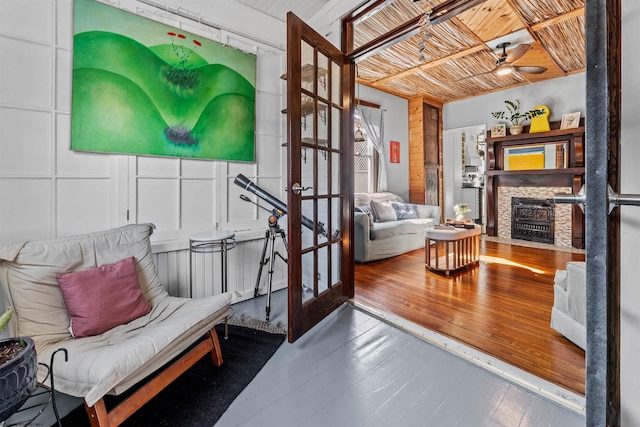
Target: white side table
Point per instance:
(210, 242)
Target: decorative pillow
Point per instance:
(102, 298)
(405, 210)
(383, 211)
(365, 209)
(424, 211)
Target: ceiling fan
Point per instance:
(504, 63)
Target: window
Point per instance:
(363, 161)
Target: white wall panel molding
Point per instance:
(38, 25)
(64, 23)
(231, 17)
(26, 74)
(26, 209)
(244, 263)
(48, 190)
(64, 67)
(26, 142)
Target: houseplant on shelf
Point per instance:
(18, 370)
(514, 115)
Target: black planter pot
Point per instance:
(17, 378)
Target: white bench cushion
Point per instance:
(112, 362)
(122, 356)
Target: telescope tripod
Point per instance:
(270, 243)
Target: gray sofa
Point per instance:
(379, 234)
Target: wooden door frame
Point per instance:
(418, 166)
(603, 109)
(603, 123)
(432, 168)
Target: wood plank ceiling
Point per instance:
(462, 48)
(460, 53)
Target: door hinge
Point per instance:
(127, 215)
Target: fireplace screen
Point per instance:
(532, 219)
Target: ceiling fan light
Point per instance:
(504, 71)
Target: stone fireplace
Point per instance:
(564, 173)
(562, 223)
(532, 219)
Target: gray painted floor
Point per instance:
(356, 370)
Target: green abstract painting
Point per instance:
(142, 87)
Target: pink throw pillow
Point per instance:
(103, 297)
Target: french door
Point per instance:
(319, 182)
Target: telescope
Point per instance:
(244, 182)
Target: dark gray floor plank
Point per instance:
(355, 370)
(298, 383)
(487, 400)
(361, 402)
(512, 408)
(538, 415)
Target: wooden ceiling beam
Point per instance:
(387, 90)
(558, 19)
(440, 13)
(432, 64)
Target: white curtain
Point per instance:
(373, 121)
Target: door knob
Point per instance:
(613, 198)
(297, 188)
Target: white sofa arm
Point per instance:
(576, 291)
(362, 235)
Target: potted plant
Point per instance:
(514, 115)
(460, 209)
(18, 370)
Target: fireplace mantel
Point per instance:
(572, 175)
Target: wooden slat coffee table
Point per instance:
(455, 248)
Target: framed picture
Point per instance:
(498, 130)
(394, 150)
(571, 120)
(144, 88)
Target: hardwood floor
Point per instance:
(502, 307)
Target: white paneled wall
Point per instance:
(244, 263)
(48, 191)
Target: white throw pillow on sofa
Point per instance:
(405, 210)
(424, 211)
(383, 211)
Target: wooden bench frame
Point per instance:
(100, 417)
